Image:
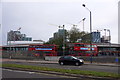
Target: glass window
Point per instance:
(74, 57)
(26, 48)
(79, 45)
(47, 51)
(69, 57)
(87, 45)
(90, 46)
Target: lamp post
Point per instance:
(109, 35)
(90, 31)
(109, 40)
(9, 43)
(63, 47)
(83, 23)
(105, 31)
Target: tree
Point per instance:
(86, 38)
(71, 36)
(74, 34)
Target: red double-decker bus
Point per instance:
(45, 49)
(82, 49)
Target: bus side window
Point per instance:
(79, 45)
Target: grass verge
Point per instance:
(71, 71)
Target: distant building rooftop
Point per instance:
(23, 42)
(107, 45)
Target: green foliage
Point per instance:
(57, 41)
(86, 38)
(75, 34)
(71, 36)
(71, 71)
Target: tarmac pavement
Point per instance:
(57, 73)
(56, 62)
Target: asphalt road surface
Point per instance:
(112, 69)
(7, 73)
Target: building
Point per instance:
(95, 38)
(14, 36)
(59, 34)
(17, 36)
(55, 35)
(24, 42)
(105, 39)
(106, 49)
(119, 22)
(50, 39)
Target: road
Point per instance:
(112, 69)
(7, 73)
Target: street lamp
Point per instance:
(109, 35)
(105, 31)
(63, 47)
(83, 23)
(90, 30)
(109, 40)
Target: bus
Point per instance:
(32, 49)
(73, 49)
(44, 49)
(82, 49)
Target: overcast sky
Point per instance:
(36, 16)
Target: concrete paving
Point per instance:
(57, 73)
(56, 62)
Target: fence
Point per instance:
(30, 55)
(99, 59)
(23, 54)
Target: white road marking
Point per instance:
(17, 71)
